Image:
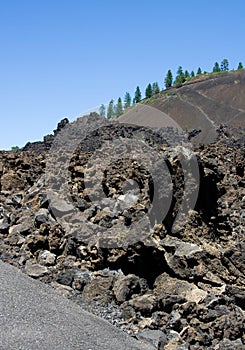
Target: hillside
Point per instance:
(203, 103)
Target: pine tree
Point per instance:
(127, 100)
(179, 80)
(148, 91)
(240, 66)
(180, 77)
(224, 66)
(192, 74)
(119, 107)
(180, 70)
(137, 95)
(102, 110)
(199, 71)
(216, 67)
(110, 109)
(114, 110)
(155, 88)
(187, 74)
(168, 81)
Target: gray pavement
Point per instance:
(33, 317)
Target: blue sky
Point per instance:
(60, 58)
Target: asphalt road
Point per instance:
(33, 317)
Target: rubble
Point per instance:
(180, 289)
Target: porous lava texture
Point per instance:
(178, 288)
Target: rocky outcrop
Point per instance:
(44, 146)
(179, 289)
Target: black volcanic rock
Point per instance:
(45, 145)
(187, 285)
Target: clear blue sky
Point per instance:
(60, 58)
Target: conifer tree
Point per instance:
(102, 110)
(216, 67)
(224, 66)
(192, 74)
(137, 95)
(155, 88)
(110, 109)
(148, 91)
(199, 71)
(187, 74)
(168, 81)
(240, 66)
(119, 107)
(127, 100)
(180, 77)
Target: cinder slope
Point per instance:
(202, 104)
